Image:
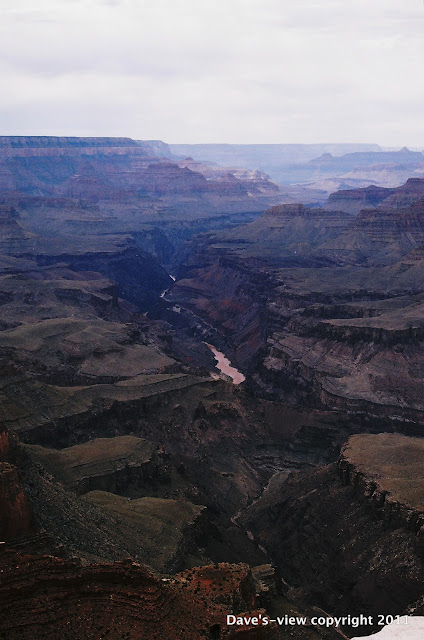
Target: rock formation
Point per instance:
(321, 308)
(351, 534)
(131, 445)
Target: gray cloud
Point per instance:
(236, 71)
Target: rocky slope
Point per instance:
(117, 599)
(126, 600)
(131, 444)
(121, 600)
(119, 465)
(351, 534)
(319, 307)
(354, 200)
(381, 236)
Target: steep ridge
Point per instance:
(371, 561)
(354, 200)
(382, 235)
(285, 231)
(119, 465)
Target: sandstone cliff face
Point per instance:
(386, 470)
(356, 365)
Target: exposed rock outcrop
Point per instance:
(120, 465)
(330, 328)
(351, 534)
(153, 457)
(354, 200)
(121, 600)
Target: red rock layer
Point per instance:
(227, 584)
(44, 597)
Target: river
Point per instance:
(224, 365)
(163, 294)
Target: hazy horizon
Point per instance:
(220, 143)
(243, 72)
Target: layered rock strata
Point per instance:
(336, 324)
(370, 558)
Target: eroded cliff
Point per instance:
(350, 534)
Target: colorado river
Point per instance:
(224, 365)
(163, 294)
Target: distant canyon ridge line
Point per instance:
(324, 166)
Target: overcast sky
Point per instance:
(241, 71)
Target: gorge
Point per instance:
(242, 437)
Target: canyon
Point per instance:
(242, 437)
(323, 168)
